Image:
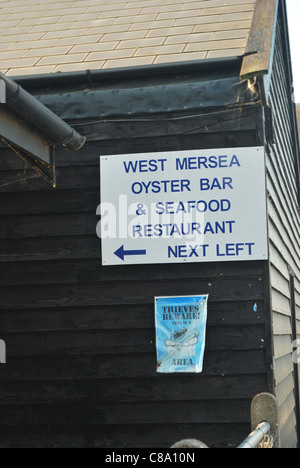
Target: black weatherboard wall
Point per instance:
(284, 228)
(81, 363)
(80, 338)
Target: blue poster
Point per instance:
(180, 333)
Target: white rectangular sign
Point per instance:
(186, 206)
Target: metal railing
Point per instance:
(256, 437)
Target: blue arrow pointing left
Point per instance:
(122, 253)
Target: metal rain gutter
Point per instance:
(93, 78)
(31, 110)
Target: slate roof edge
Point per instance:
(258, 57)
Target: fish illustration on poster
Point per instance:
(180, 333)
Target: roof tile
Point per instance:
(42, 36)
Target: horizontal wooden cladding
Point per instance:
(50, 248)
(284, 232)
(223, 375)
(165, 399)
(81, 357)
(51, 202)
(134, 413)
(126, 341)
(214, 121)
(87, 177)
(104, 134)
(280, 283)
(284, 368)
(282, 346)
(66, 178)
(288, 433)
(114, 293)
(47, 226)
(277, 258)
(85, 271)
(89, 155)
(285, 388)
(109, 317)
(121, 436)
